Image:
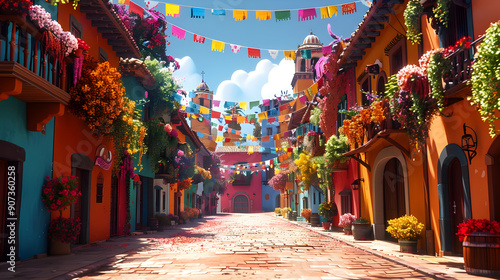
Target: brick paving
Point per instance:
(252, 246)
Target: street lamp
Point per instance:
(357, 183)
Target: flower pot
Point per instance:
(482, 254)
(407, 246)
(348, 230)
(326, 225)
(362, 231)
(59, 248)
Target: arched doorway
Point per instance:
(493, 168)
(394, 193)
(81, 167)
(454, 195)
(240, 204)
(395, 173)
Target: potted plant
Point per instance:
(57, 194)
(412, 15)
(345, 221)
(407, 230)
(485, 77)
(306, 213)
(335, 148)
(277, 211)
(362, 229)
(328, 210)
(481, 241)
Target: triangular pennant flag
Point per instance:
(282, 15)
(218, 12)
(239, 15)
(273, 53)
(151, 4)
(197, 13)
(134, 8)
(235, 48)
(349, 8)
(199, 39)
(263, 15)
(253, 53)
(172, 10)
(289, 55)
(307, 14)
(218, 46)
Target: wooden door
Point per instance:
(114, 206)
(394, 193)
(80, 208)
(456, 195)
(240, 204)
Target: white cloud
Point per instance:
(187, 74)
(262, 83)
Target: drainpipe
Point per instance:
(429, 233)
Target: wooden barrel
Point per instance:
(314, 219)
(482, 254)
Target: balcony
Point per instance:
(456, 88)
(39, 80)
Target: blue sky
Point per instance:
(249, 75)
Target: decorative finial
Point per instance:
(202, 76)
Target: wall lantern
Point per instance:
(469, 143)
(357, 183)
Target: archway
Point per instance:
(493, 168)
(381, 172)
(454, 194)
(240, 203)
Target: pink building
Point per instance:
(244, 194)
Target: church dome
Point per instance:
(311, 39)
(202, 87)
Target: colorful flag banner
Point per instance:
(178, 32)
(306, 54)
(349, 8)
(204, 110)
(273, 53)
(218, 46)
(197, 13)
(366, 3)
(282, 15)
(289, 55)
(172, 10)
(125, 2)
(235, 48)
(263, 15)
(199, 39)
(327, 50)
(243, 105)
(151, 4)
(239, 15)
(253, 53)
(254, 104)
(218, 12)
(266, 102)
(216, 103)
(307, 14)
(216, 115)
(303, 99)
(314, 89)
(134, 8)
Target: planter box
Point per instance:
(482, 254)
(362, 231)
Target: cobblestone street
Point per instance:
(251, 246)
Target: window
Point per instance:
(157, 200)
(303, 65)
(314, 198)
(345, 201)
(164, 201)
(269, 131)
(202, 102)
(100, 186)
(341, 106)
(75, 27)
(381, 81)
(458, 25)
(242, 179)
(103, 56)
(278, 129)
(366, 88)
(397, 56)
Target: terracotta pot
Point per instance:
(326, 225)
(59, 248)
(362, 231)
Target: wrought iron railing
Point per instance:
(461, 71)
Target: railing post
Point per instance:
(35, 58)
(26, 49)
(13, 42)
